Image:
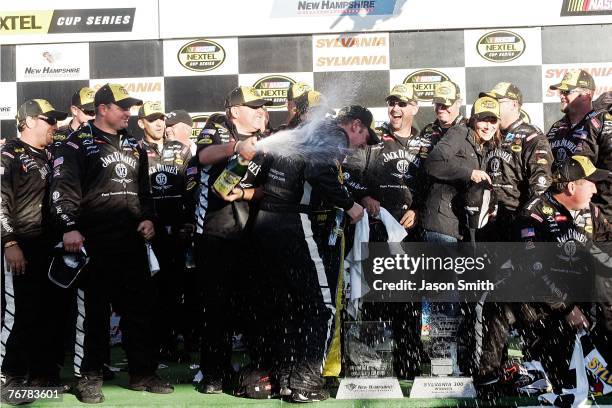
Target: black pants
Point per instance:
(546, 335)
(124, 280)
(293, 246)
(32, 318)
(221, 279)
(170, 283)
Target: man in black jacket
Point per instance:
(101, 200)
(167, 162)
(219, 230)
(519, 167)
(584, 131)
(565, 216)
(447, 104)
(297, 194)
(28, 316)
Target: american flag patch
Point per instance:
(527, 232)
(191, 170)
(58, 161)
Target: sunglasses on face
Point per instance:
(566, 93)
(401, 104)
(50, 121)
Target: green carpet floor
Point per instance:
(117, 395)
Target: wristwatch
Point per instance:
(10, 244)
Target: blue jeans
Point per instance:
(432, 236)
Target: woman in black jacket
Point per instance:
(455, 162)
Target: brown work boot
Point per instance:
(88, 389)
(150, 383)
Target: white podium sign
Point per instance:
(369, 388)
(443, 387)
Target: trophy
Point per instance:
(439, 336)
(368, 362)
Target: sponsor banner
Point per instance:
(148, 89)
(318, 8)
(514, 46)
(8, 100)
(280, 17)
(201, 57)
(350, 52)
(553, 74)
(52, 62)
(586, 7)
(34, 22)
(424, 80)
(273, 87)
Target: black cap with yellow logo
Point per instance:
(296, 90)
(485, 107)
(151, 111)
(35, 107)
(505, 90)
(446, 93)
(117, 94)
(575, 78)
(579, 168)
(403, 92)
(245, 95)
(84, 99)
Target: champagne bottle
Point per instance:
(232, 174)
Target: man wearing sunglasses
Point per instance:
(82, 110)
(447, 105)
(28, 315)
(393, 180)
(220, 229)
(584, 131)
(100, 199)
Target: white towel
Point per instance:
(353, 263)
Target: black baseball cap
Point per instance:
(247, 96)
(504, 90)
(575, 78)
(178, 116)
(446, 93)
(35, 107)
(485, 107)
(297, 89)
(480, 201)
(151, 111)
(84, 99)
(579, 168)
(117, 94)
(361, 113)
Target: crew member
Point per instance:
(30, 341)
(583, 131)
(219, 231)
(167, 162)
(101, 200)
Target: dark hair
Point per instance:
(21, 125)
(496, 140)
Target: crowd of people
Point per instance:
(94, 220)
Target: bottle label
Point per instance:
(226, 182)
